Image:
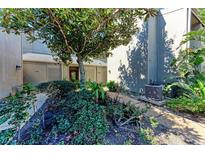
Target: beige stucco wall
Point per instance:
(10, 56)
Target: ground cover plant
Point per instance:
(195, 105)
(14, 111)
(75, 117)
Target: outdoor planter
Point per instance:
(154, 92)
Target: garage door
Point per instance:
(101, 74)
(90, 73)
(36, 72)
(53, 72)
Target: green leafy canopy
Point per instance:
(86, 33)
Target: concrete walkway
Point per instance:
(181, 130)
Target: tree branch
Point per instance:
(93, 50)
(105, 21)
(84, 44)
(127, 121)
(69, 48)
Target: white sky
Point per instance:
(104, 3)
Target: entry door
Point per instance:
(74, 73)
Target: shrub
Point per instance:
(199, 88)
(59, 87)
(123, 114)
(112, 86)
(74, 96)
(184, 104)
(177, 89)
(28, 88)
(77, 83)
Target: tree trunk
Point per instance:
(82, 72)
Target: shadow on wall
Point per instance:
(164, 52)
(134, 76)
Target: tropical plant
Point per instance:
(199, 89)
(187, 64)
(177, 89)
(97, 89)
(191, 58)
(112, 86)
(85, 33)
(180, 88)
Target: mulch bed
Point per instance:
(115, 135)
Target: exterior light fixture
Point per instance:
(18, 67)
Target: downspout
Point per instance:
(62, 71)
(21, 60)
(188, 28)
(152, 50)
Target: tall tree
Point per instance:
(85, 33)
